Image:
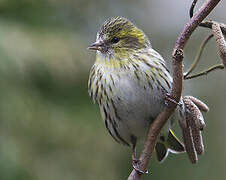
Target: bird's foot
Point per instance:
(136, 164)
(168, 99)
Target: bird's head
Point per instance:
(119, 37)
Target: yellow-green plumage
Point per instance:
(129, 82)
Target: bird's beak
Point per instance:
(98, 45)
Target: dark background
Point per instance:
(49, 127)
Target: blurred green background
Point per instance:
(49, 127)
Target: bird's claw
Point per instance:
(135, 164)
(168, 99)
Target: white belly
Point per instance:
(137, 104)
(137, 107)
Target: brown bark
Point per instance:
(177, 87)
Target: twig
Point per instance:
(191, 12)
(217, 33)
(198, 55)
(218, 29)
(177, 85)
(206, 24)
(205, 72)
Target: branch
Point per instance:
(205, 72)
(177, 85)
(217, 33)
(206, 24)
(198, 55)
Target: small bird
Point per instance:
(130, 82)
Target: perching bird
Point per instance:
(129, 81)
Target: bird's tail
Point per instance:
(166, 145)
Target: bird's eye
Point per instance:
(115, 40)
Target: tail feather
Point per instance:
(161, 151)
(172, 144)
